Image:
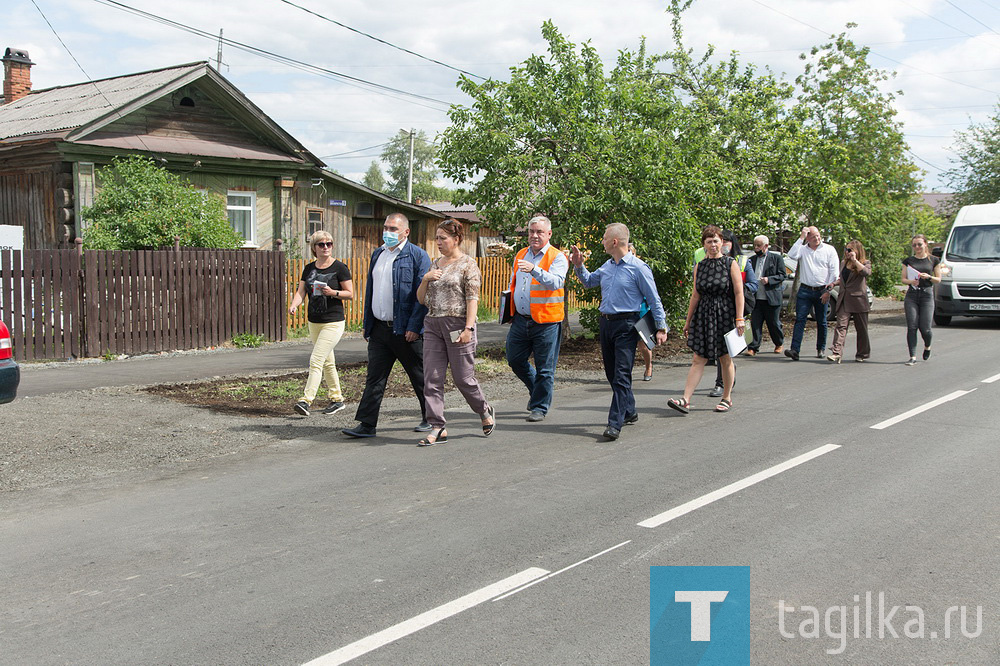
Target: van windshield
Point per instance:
(975, 243)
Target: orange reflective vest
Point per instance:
(547, 305)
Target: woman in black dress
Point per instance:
(716, 306)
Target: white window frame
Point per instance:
(309, 223)
(252, 241)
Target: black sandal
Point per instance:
(680, 404)
(428, 441)
(488, 429)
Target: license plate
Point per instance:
(984, 306)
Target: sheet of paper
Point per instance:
(912, 273)
(735, 342)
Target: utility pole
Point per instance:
(409, 177)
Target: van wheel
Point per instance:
(942, 320)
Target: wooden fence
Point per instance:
(496, 278)
(62, 303)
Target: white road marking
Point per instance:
(414, 624)
(917, 410)
(990, 380)
(564, 569)
(704, 500)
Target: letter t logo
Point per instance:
(701, 610)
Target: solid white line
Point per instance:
(704, 500)
(917, 410)
(414, 624)
(564, 569)
(990, 380)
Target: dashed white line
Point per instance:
(917, 410)
(564, 569)
(990, 380)
(704, 500)
(414, 624)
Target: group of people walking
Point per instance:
(423, 315)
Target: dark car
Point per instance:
(10, 374)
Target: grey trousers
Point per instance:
(439, 353)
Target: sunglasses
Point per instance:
(324, 244)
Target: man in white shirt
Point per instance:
(818, 265)
(394, 322)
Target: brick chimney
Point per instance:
(16, 75)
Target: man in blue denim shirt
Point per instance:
(625, 281)
(394, 322)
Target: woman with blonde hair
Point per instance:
(327, 283)
(852, 303)
(450, 290)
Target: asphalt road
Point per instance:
(327, 548)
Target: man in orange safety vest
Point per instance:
(537, 302)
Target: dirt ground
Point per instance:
(254, 396)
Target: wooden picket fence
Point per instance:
(496, 278)
(64, 303)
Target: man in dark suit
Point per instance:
(394, 322)
(770, 270)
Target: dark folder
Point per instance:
(646, 328)
(505, 309)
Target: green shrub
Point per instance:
(243, 340)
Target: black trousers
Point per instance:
(618, 340)
(384, 349)
(764, 312)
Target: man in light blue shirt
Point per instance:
(537, 298)
(625, 281)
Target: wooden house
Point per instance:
(192, 121)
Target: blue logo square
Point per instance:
(699, 615)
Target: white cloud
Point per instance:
(488, 37)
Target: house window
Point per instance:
(86, 190)
(314, 221)
(365, 209)
(242, 210)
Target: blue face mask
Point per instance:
(390, 238)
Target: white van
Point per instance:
(972, 287)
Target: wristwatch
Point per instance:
(470, 328)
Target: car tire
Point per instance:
(942, 320)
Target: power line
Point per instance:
(933, 166)
(88, 77)
(359, 150)
(308, 67)
(971, 16)
(382, 41)
(898, 62)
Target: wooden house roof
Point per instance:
(77, 113)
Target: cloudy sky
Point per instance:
(946, 53)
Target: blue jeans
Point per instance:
(527, 337)
(809, 299)
(618, 340)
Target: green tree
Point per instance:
(857, 182)
(142, 205)
(396, 155)
(665, 144)
(373, 178)
(975, 171)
